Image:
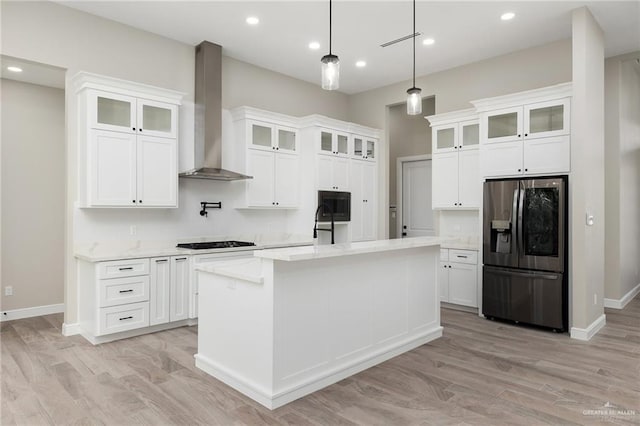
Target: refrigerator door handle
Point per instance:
(514, 223)
(521, 222)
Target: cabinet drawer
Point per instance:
(115, 319)
(463, 256)
(120, 291)
(123, 268)
(444, 254)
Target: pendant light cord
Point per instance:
(330, 27)
(414, 43)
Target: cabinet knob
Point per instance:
(526, 170)
(134, 201)
(273, 147)
(277, 148)
(133, 128)
(273, 203)
(140, 130)
(519, 170)
(519, 135)
(140, 201)
(455, 147)
(455, 204)
(277, 204)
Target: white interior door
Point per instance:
(417, 213)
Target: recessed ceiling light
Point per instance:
(428, 41)
(314, 45)
(361, 64)
(507, 16)
(252, 20)
(14, 69)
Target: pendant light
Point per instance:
(330, 65)
(414, 100)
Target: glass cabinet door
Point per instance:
(445, 139)
(547, 118)
(371, 149)
(342, 144)
(326, 142)
(261, 136)
(109, 111)
(157, 118)
(470, 131)
(357, 147)
(504, 125)
(287, 139)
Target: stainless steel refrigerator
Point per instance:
(525, 251)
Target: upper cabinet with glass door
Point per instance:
(272, 137)
(454, 131)
(538, 113)
(333, 142)
(364, 148)
(128, 114)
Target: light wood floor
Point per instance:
(479, 372)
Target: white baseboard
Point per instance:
(621, 303)
(273, 400)
(35, 311)
(97, 340)
(587, 333)
(71, 329)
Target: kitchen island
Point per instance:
(288, 322)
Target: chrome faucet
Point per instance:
(315, 226)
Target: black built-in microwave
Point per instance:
(336, 202)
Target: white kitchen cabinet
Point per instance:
(267, 147)
(169, 299)
(275, 179)
(120, 112)
(333, 142)
(457, 277)
(126, 170)
(132, 295)
(363, 147)
(127, 143)
(160, 290)
(455, 161)
(332, 173)
(526, 133)
(363, 201)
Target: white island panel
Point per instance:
(305, 324)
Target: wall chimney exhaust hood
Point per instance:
(208, 117)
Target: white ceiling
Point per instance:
(465, 32)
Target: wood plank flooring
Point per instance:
(480, 372)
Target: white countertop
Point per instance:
(243, 269)
(335, 250)
(461, 243)
(116, 250)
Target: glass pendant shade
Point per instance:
(414, 101)
(330, 72)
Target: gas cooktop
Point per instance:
(214, 245)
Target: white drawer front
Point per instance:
(444, 254)
(463, 256)
(123, 268)
(115, 319)
(120, 291)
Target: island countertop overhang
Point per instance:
(293, 254)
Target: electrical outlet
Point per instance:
(133, 230)
(8, 291)
(595, 299)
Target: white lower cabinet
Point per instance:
(125, 295)
(458, 277)
(169, 298)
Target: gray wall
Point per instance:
(622, 175)
(586, 187)
(408, 135)
(33, 194)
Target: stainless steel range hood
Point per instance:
(208, 117)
